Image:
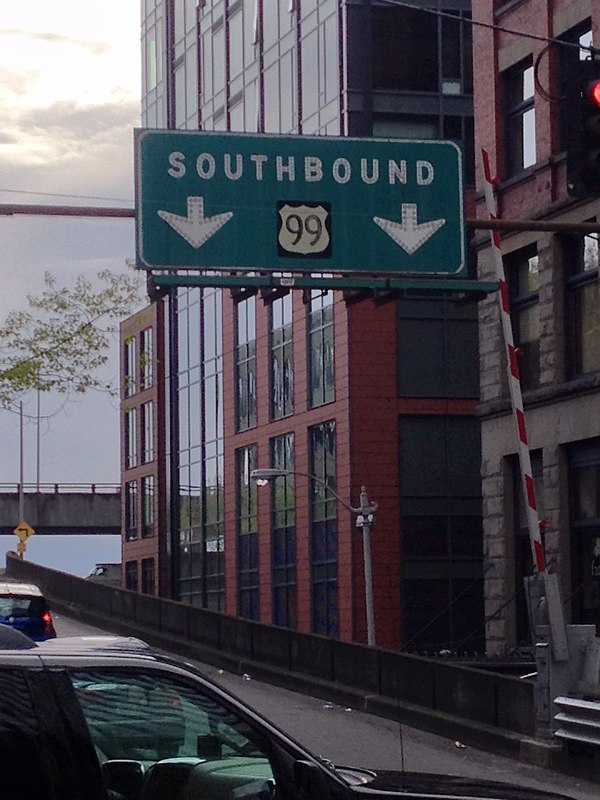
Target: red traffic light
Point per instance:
(594, 92)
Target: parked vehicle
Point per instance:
(23, 607)
(116, 721)
(107, 573)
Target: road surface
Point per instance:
(353, 738)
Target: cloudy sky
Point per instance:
(69, 100)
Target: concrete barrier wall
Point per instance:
(432, 694)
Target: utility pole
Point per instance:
(365, 517)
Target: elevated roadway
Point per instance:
(349, 736)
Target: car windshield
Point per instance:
(21, 606)
(168, 732)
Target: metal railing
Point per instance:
(578, 720)
(60, 488)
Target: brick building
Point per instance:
(520, 113)
(338, 390)
(145, 564)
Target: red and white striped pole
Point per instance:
(514, 381)
(560, 646)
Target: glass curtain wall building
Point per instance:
(278, 379)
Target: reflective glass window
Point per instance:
(283, 532)
(245, 366)
(148, 505)
(582, 300)
(282, 366)
(131, 510)
(323, 515)
(522, 274)
(247, 530)
(519, 117)
(321, 349)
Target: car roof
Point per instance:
(12, 639)
(102, 642)
(12, 587)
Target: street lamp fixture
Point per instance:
(365, 517)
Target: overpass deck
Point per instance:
(65, 508)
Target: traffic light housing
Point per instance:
(583, 143)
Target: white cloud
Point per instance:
(69, 100)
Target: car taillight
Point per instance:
(48, 625)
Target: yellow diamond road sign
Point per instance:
(23, 531)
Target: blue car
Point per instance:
(24, 608)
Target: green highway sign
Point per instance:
(258, 202)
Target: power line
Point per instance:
(489, 25)
(77, 196)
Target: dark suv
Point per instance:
(116, 721)
(23, 607)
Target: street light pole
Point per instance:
(365, 518)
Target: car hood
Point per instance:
(434, 785)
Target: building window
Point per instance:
(129, 367)
(282, 370)
(247, 530)
(283, 532)
(213, 481)
(148, 576)
(321, 349)
(147, 414)
(323, 530)
(456, 53)
(568, 61)
(245, 363)
(523, 558)
(131, 510)
(200, 474)
(403, 38)
(146, 359)
(130, 438)
(584, 485)
(148, 505)
(442, 536)
(418, 52)
(522, 274)
(131, 575)
(437, 346)
(462, 128)
(319, 71)
(519, 118)
(582, 300)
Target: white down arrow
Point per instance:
(195, 228)
(408, 233)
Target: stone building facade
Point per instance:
(522, 62)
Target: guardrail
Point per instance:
(60, 488)
(579, 720)
(489, 710)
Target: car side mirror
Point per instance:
(124, 776)
(209, 747)
(309, 777)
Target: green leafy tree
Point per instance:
(61, 342)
